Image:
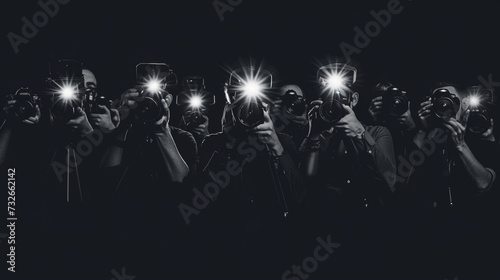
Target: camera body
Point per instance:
(480, 109)
(336, 81)
(293, 103)
(25, 105)
(395, 102)
(246, 93)
(194, 100)
(66, 85)
(445, 105)
(153, 80)
(92, 100)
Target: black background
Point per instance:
(426, 42)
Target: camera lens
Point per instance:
(478, 122)
(395, 102)
(23, 109)
(297, 106)
(250, 114)
(196, 118)
(293, 103)
(149, 106)
(444, 104)
(444, 107)
(331, 111)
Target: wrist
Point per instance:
(461, 147)
(360, 132)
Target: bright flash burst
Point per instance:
(252, 89)
(153, 85)
(474, 100)
(67, 91)
(195, 101)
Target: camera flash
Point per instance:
(67, 92)
(474, 101)
(195, 102)
(252, 89)
(153, 86)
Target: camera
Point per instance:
(25, 105)
(395, 102)
(91, 100)
(336, 81)
(246, 93)
(194, 100)
(293, 103)
(445, 105)
(481, 108)
(66, 85)
(153, 78)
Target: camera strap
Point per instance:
(274, 166)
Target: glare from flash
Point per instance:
(252, 89)
(67, 92)
(153, 85)
(195, 101)
(474, 101)
(335, 81)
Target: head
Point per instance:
(89, 78)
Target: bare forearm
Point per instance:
(176, 167)
(481, 176)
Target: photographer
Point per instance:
(148, 164)
(391, 108)
(450, 195)
(20, 113)
(247, 225)
(289, 113)
(194, 101)
(350, 168)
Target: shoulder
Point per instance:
(212, 140)
(377, 130)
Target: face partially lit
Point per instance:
(89, 77)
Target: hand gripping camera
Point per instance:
(246, 93)
(154, 79)
(194, 100)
